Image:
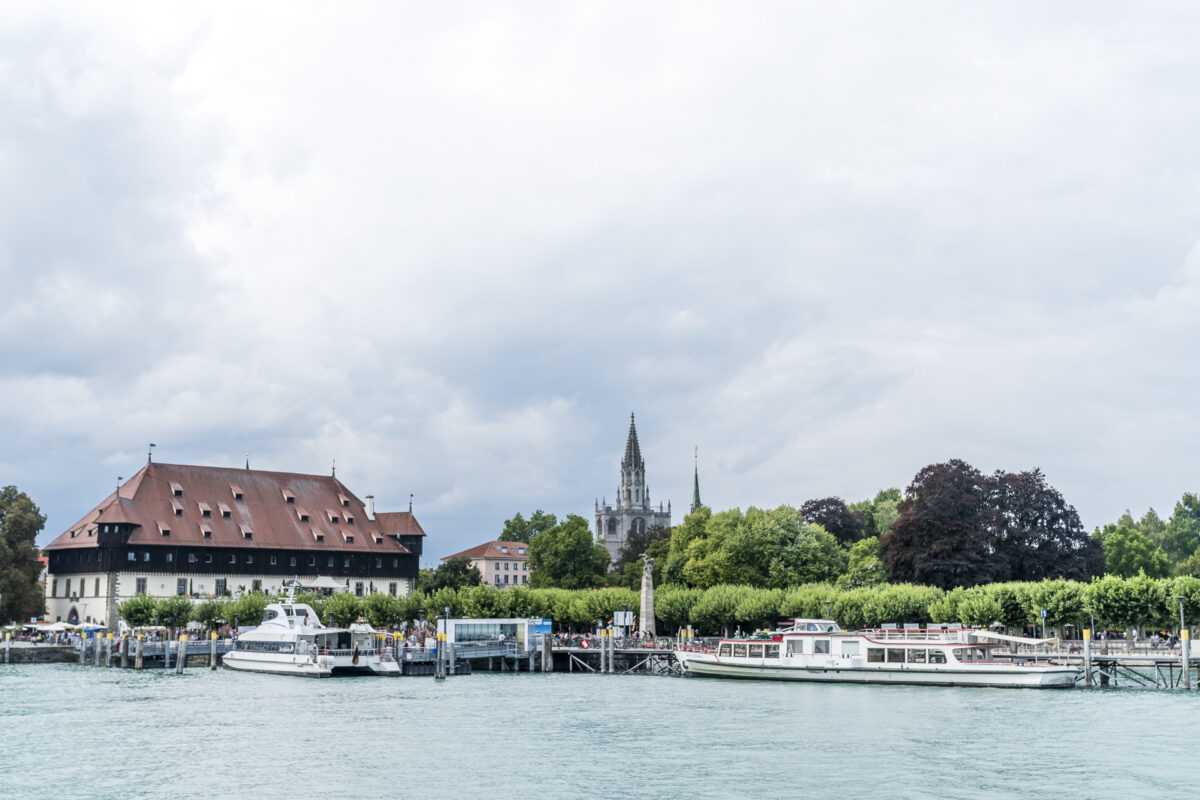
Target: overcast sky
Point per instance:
(453, 246)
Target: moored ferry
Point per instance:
(292, 641)
(819, 650)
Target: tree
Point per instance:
(567, 557)
(1038, 535)
(941, 536)
(1182, 535)
(832, 514)
(137, 611)
(637, 543)
(865, 568)
(382, 610)
(630, 574)
(249, 609)
(211, 612)
(1128, 551)
(454, 573)
(342, 609)
(21, 597)
(173, 612)
(518, 529)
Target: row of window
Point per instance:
(524, 565)
(901, 655)
(67, 588)
(248, 558)
(524, 579)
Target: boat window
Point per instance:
(875, 655)
(725, 648)
(895, 655)
(772, 651)
(968, 653)
(271, 614)
(756, 651)
(288, 610)
(937, 656)
(795, 647)
(812, 626)
(820, 646)
(849, 648)
(916, 656)
(739, 650)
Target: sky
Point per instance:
(451, 247)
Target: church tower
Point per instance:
(632, 512)
(696, 482)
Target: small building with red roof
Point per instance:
(500, 564)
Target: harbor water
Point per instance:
(69, 731)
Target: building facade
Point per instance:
(632, 512)
(212, 531)
(500, 564)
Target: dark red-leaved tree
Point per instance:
(831, 514)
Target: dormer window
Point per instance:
(349, 519)
(164, 530)
(246, 532)
(378, 539)
(344, 500)
(176, 489)
(178, 508)
(302, 515)
(236, 491)
(225, 512)
(333, 517)
(288, 497)
(349, 537)
(521, 551)
(205, 532)
(205, 510)
(503, 549)
(74, 534)
(317, 535)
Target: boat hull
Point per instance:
(299, 667)
(991, 675)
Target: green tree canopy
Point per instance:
(137, 611)
(518, 529)
(173, 612)
(454, 573)
(343, 609)
(567, 557)
(1128, 551)
(1182, 534)
(21, 597)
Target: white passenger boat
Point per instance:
(818, 650)
(292, 641)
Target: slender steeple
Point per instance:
(633, 453)
(696, 481)
(632, 492)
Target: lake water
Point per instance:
(68, 731)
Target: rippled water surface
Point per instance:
(68, 731)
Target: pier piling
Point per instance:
(83, 649)
(181, 655)
(212, 650)
(7, 648)
(108, 647)
(137, 661)
(96, 649)
(1185, 641)
(1087, 657)
(124, 647)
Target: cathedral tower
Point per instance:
(632, 512)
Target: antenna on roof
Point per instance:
(117, 493)
(335, 468)
(410, 502)
(149, 453)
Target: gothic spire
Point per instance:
(696, 485)
(633, 453)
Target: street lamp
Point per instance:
(1182, 624)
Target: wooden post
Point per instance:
(108, 647)
(1185, 641)
(124, 651)
(212, 650)
(438, 669)
(82, 649)
(96, 649)
(547, 653)
(1087, 657)
(7, 647)
(181, 655)
(137, 661)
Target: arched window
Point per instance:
(639, 525)
(612, 528)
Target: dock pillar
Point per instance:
(1087, 657)
(108, 648)
(1185, 641)
(181, 655)
(96, 649)
(439, 671)
(137, 660)
(7, 647)
(83, 637)
(212, 650)
(124, 648)
(547, 653)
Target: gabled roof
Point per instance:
(399, 523)
(492, 550)
(173, 496)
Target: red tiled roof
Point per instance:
(492, 550)
(148, 501)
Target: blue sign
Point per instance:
(1043, 613)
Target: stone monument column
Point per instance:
(647, 610)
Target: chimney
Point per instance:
(371, 507)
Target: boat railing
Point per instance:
(950, 635)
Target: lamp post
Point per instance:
(828, 604)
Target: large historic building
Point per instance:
(632, 512)
(207, 531)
